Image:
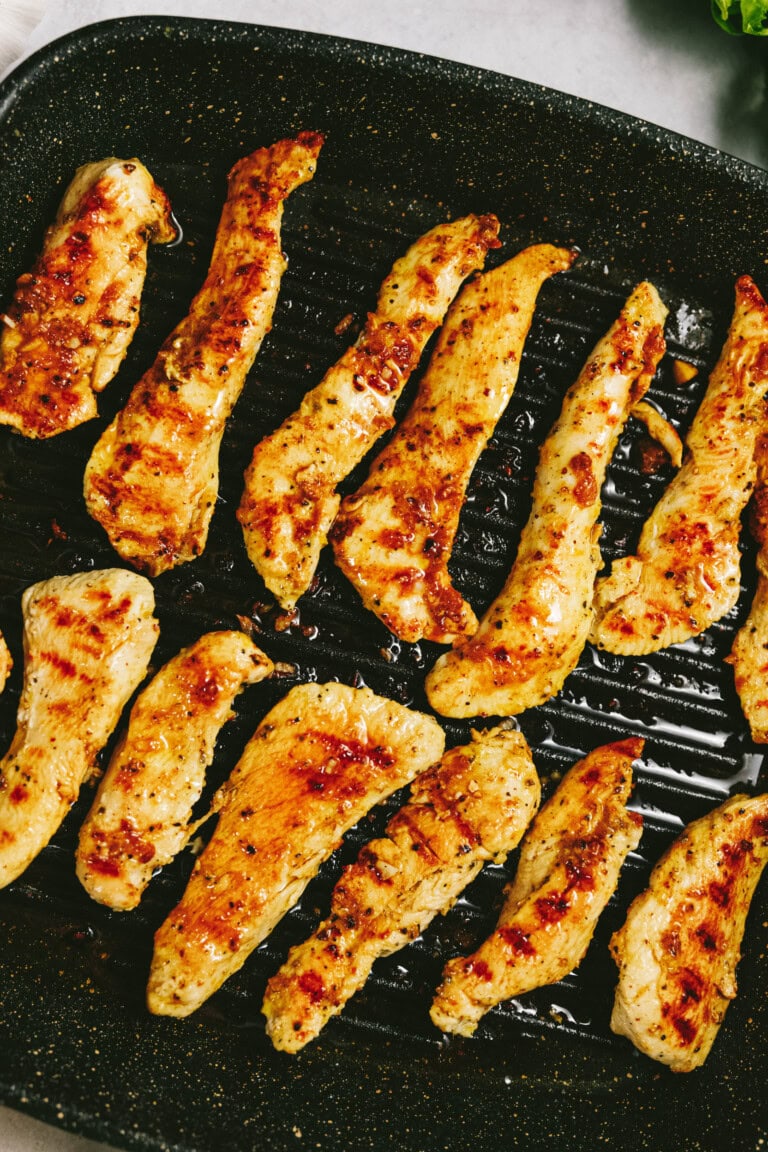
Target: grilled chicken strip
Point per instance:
(6, 662)
(289, 501)
(393, 537)
(471, 808)
(73, 316)
(749, 654)
(531, 637)
(569, 867)
(686, 574)
(87, 643)
(140, 817)
(319, 760)
(678, 950)
(153, 477)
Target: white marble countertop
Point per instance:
(662, 61)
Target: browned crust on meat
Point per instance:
(569, 866)
(678, 949)
(73, 315)
(471, 808)
(152, 479)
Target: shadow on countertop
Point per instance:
(739, 65)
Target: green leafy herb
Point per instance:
(737, 16)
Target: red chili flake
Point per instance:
(311, 984)
(480, 969)
(517, 940)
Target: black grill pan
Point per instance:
(411, 141)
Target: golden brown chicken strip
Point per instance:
(290, 499)
(471, 808)
(87, 643)
(678, 950)
(140, 817)
(532, 635)
(73, 316)
(6, 662)
(393, 537)
(569, 867)
(318, 761)
(686, 573)
(153, 477)
(749, 654)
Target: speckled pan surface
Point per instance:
(410, 141)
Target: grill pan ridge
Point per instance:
(411, 141)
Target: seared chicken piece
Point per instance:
(6, 662)
(73, 316)
(569, 867)
(290, 500)
(678, 950)
(393, 537)
(531, 637)
(318, 761)
(471, 808)
(153, 477)
(140, 818)
(749, 654)
(686, 574)
(87, 643)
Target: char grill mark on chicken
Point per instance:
(532, 635)
(470, 809)
(153, 477)
(290, 500)
(88, 639)
(569, 866)
(393, 537)
(319, 760)
(687, 570)
(72, 318)
(141, 815)
(678, 950)
(749, 652)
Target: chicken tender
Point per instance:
(318, 761)
(153, 477)
(73, 316)
(289, 501)
(6, 662)
(471, 808)
(140, 817)
(532, 635)
(569, 867)
(687, 572)
(749, 653)
(393, 537)
(678, 950)
(87, 643)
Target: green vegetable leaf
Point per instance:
(738, 16)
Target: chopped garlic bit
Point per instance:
(683, 372)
